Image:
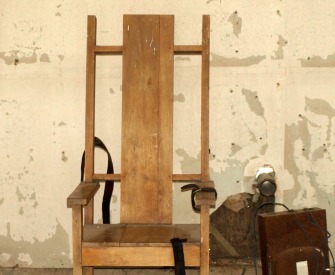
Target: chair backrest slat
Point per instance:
(147, 117)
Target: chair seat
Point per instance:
(138, 245)
(139, 234)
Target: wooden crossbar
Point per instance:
(175, 177)
(178, 50)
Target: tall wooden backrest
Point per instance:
(147, 108)
(147, 105)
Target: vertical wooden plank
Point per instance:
(140, 120)
(146, 162)
(89, 271)
(77, 236)
(205, 98)
(204, 214)
(90, 110)
(166, 59)
(204, 242)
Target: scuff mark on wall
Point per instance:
(39, 253)
(111, 91)
(61, 57)
(236, 22)
(279, 54)
(62, 123)
(221, 61)
(31, 158)
(64, 157)
(1, 201)
(323, 108)
(58, 10)
(19, 194)
(183, 58)
(318, 61)
(179, 98)
(209, 1)
(44, 58)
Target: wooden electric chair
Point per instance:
(142, 239)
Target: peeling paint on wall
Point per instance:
(253, 102)
(221, 61)
(39, 253)
(308, 154)
(279, 54)
(179, 98)
(236, 22)
(318, 61)
(16, 57)
(234, 149)
(44, 58)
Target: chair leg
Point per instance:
(77, 233)
(88, 270)
(204, 245)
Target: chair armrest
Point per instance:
(207, 196)
(82, 195)
(203, 193)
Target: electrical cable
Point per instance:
(313, 222)
(325, 239)
(308, 237)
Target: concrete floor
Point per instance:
(242, 270)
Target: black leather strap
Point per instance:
(178, 253)
(109, 184)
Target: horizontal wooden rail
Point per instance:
(175, 177)
(187, 49)
(108, 49)
(178, 50)
(186, 177)
(103, 177)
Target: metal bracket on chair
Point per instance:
(196, 188)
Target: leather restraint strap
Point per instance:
(109, 184)
(197, 188)
(178, 253)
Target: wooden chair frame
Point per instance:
(90, 254)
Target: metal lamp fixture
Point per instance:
(266, 181)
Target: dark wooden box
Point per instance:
(294, 236)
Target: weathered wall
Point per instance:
(272, 101)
